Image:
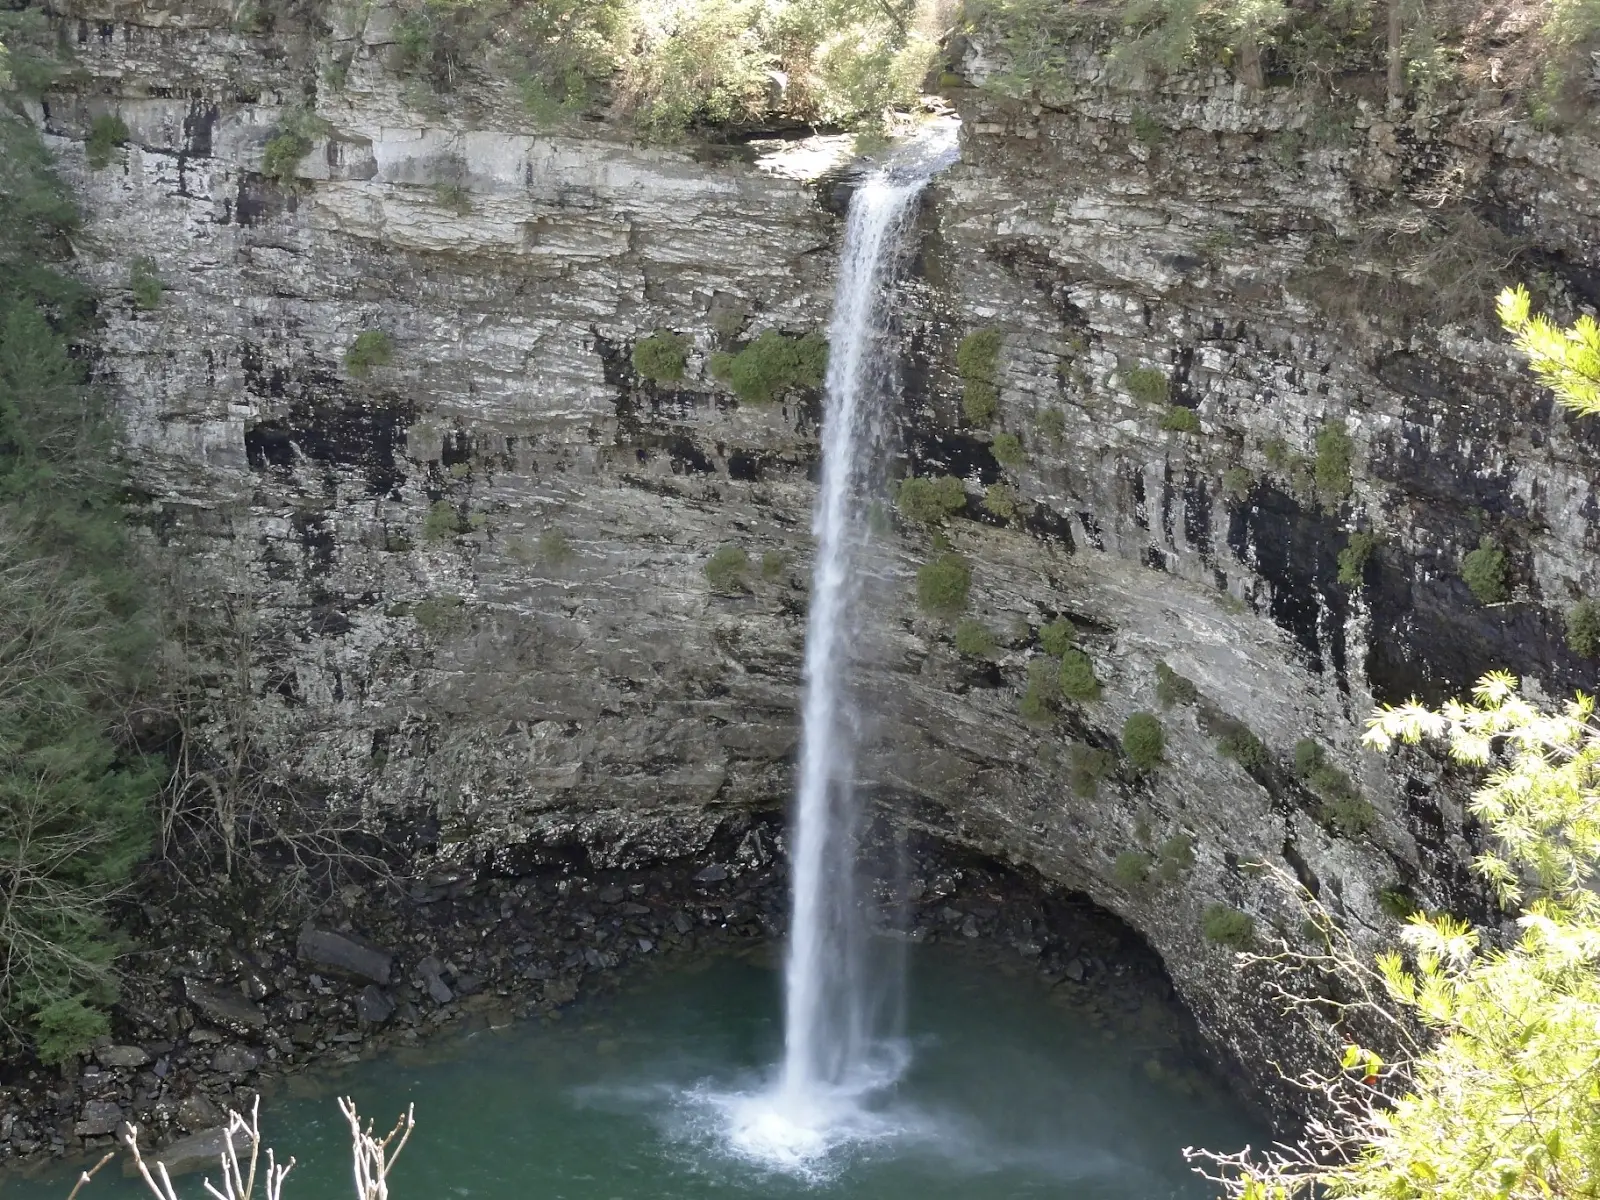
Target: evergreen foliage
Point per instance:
(1178, 419)
(1000, 501)
(1037, 704)
(726, 569)
(1089, 766)
(1131, 869)
(661, 357)
(1177, 857)
(1332, 469)
(1486, 573)
(1146, 384)
(1052, 424)
(74, 804)
(974, 639)
(943, 584)
(290, 142)
(1143, 740)
(1227, 926)
(772, 364)
(929, 499)
(1077, 677)
(1583, 628)
(1496, 1099)
(441, 522)
(1567, 361)
(1172, 688)
(106, 133)
(1007, 450)
(144, 284)
(977, 362)
(1236, 484)
(1245, 748)
(1058, 637)
(1354, 557)
(372, 348)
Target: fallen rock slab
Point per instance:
(336, 952)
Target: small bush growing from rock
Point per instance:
(772, 564)
(1077, 677)
(554, 547)
(1583, 628)
(974, 639)
(1058, 637)
(1172, 688)
(928, 500)
(1176, 857)
(1354, 557)
(1348, 816)
(372, 348)
(1396, 900)
(106, 133)
(772, 364)
(726, 568)
(455, 197)
(1037, 704)
(1000, 501)
(440, 614)
(1178, 419)
(1132, 869)
(441, 522)
(943, 584)
(1308, 756)
(1485, 571)
(1143, 740)
(1146, 384)
(280, 158)
(1007, 450)
(1052, 424)
(1089, 766)
(1245, 748)
(1228, 926)
(1332, 469)
(144, 284)
(661, 357)
(977, 362)
(1146, 129)
(1236, 484)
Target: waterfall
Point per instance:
(835, 1055)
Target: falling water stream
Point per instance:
(837, 1054)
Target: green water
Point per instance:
(1010, 1094)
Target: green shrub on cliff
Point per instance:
(1583, 628)
(1007, 450)
(144, 285)
(1178, 419)
(661, 357)
(974, 639)
(929, 499)
(1000, 501)
(1077, 677)
(977, 362)
(1227, 926)
(726, 569)
(772, 364)
(106, 133)
(74, 644)
(1058, 637)
(1486, 572)
(1146, 384)
(1354, 557)
(1332, 469)
(372, 348)
(1173, 689)
(943, 584)
(1143, 740)
(1037, 703)
(1131, 869)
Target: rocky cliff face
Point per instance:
(470, 582)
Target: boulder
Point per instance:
(197, 1152)
(230, 1012)
(337, 952)
(99, 1117)
(431, 972)
(199, 1111)
(121, 1056)
(235, 1060)
(374, 1005)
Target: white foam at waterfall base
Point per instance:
(839, 1062)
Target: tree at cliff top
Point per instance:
(73, 802)
(1497, 1091)
(670, 64)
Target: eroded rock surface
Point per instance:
(473, 577)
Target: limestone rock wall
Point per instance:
(470, 583)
